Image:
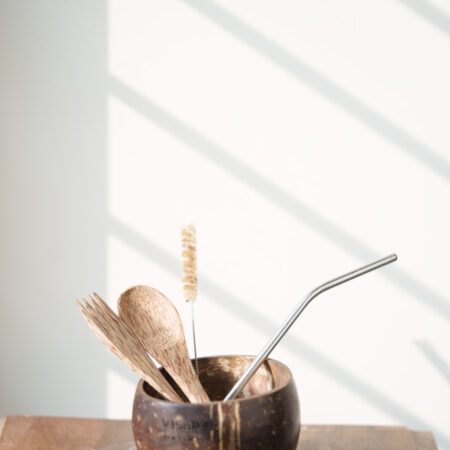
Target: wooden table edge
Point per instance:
(422, 440)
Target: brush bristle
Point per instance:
(189, 263)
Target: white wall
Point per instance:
(302, 138)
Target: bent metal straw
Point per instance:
(265, 352)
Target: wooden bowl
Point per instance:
(266, 414)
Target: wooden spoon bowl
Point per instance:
(265, 415)
(156, 322)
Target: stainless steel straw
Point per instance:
(265, 352)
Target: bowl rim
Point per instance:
(141, 382)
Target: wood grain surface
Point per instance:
(35, 432)
(357, 437)
(45, 433)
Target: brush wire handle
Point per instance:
(265, 352)
(190, 288)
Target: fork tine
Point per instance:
(101, 302)
(109, 316)
(89, 316)
(93, 299)
(93, 302)
(83, 311)
(87, 305)
(80, 306)
(106, 309)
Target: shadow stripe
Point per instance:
(324, 86)
(275, 194)
(430, 13)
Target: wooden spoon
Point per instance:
(155, 321)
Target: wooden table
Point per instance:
(36, 433)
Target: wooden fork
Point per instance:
(116, 335)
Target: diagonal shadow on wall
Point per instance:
(324, 86)
(273, 193)
(430, 13)
(253, 317)
(435, 359)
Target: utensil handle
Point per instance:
(265, 352)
